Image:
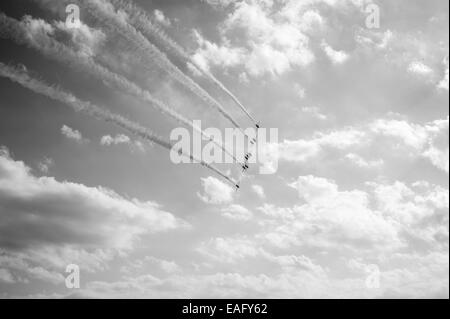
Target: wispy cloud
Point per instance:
(337, 57)
(72, 134)
(216, 192)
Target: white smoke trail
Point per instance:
(105, 12)
(144, 24)
(21, 76)
(42, 42)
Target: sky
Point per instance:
(357, 208)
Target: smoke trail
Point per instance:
(19, 75)
(143, 23)
(40, 41)
(105, 12)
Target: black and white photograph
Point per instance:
(224, 150)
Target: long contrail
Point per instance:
(17, 31)
(105, 12)
(143, 23)
(22, 77)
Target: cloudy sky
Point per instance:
(362, 182)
